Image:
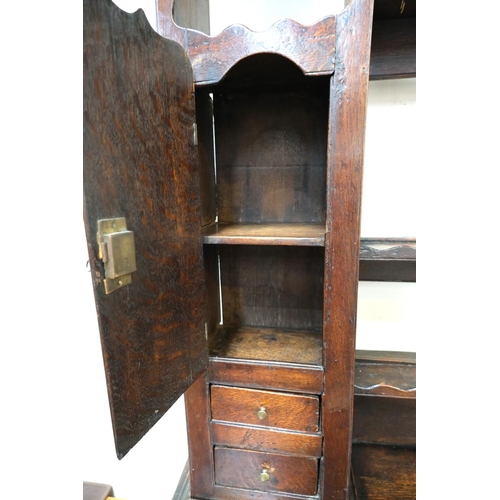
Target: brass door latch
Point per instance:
(117, 251)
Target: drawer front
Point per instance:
(270, 440)
(266, 471)
(265, 408)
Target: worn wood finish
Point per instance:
(384, 472)
(384, 420)
(388, 249)
(311, 48)
(201, 461)
(271, 153)
(265, 234)
(272, 286)
(242, 468)
(385, 398)
(268, 344)
(213, 316)
(205, 138)
(348, 100)
(307, 379)
(270, 440)
(139, 162)
(385, 374)
(284, 411)
(227, 493)
(393, 53)
(388, 259)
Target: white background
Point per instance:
(55, 420)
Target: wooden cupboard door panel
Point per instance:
(140, 162)
(242, 469)
(282, 411)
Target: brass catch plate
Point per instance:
(117, 251)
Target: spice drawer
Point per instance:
(265, 408)
(262, 439)
(266, 471)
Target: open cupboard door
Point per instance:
(142, 216)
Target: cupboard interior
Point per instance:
(262, 136)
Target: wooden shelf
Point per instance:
(388, 259)
(384, 472)
(265, 234)
(385, 373)
(268, 344)
(393, 52)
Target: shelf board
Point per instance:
(385, 373)
(393, 51)
(265, 234)
(388, 259)
(267, 344)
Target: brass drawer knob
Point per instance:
(262, 413)
(264, 476)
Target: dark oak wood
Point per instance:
(349, 88)
(393, 53)
(271, 145)
(140, 162)
(383, 373)
(271, 440)
(288, 377)
(267, 344)
(384, 472)
(272, 286)
(201, 461)
(227, 493)
(384, 420)
(213, 315)
(385, 259)
(284, 411)
(311, 48)
(385, 398)
(242, 468)
(205, 137)
(289, 150)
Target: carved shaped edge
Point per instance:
(385, 373)
(388, 249)
(312, 48)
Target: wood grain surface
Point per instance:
(271, 440)
(265, 234)
(140, 162)
(271, 149)
(272, 286)
(201, 460)
(286, 377)
(311, 48)
(242, 468)
(384, 420)
(268, 344)
(284, 411)
(384, 472)
(348, 99)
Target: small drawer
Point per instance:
(265, 439)
(266, 471)
(265, 408)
